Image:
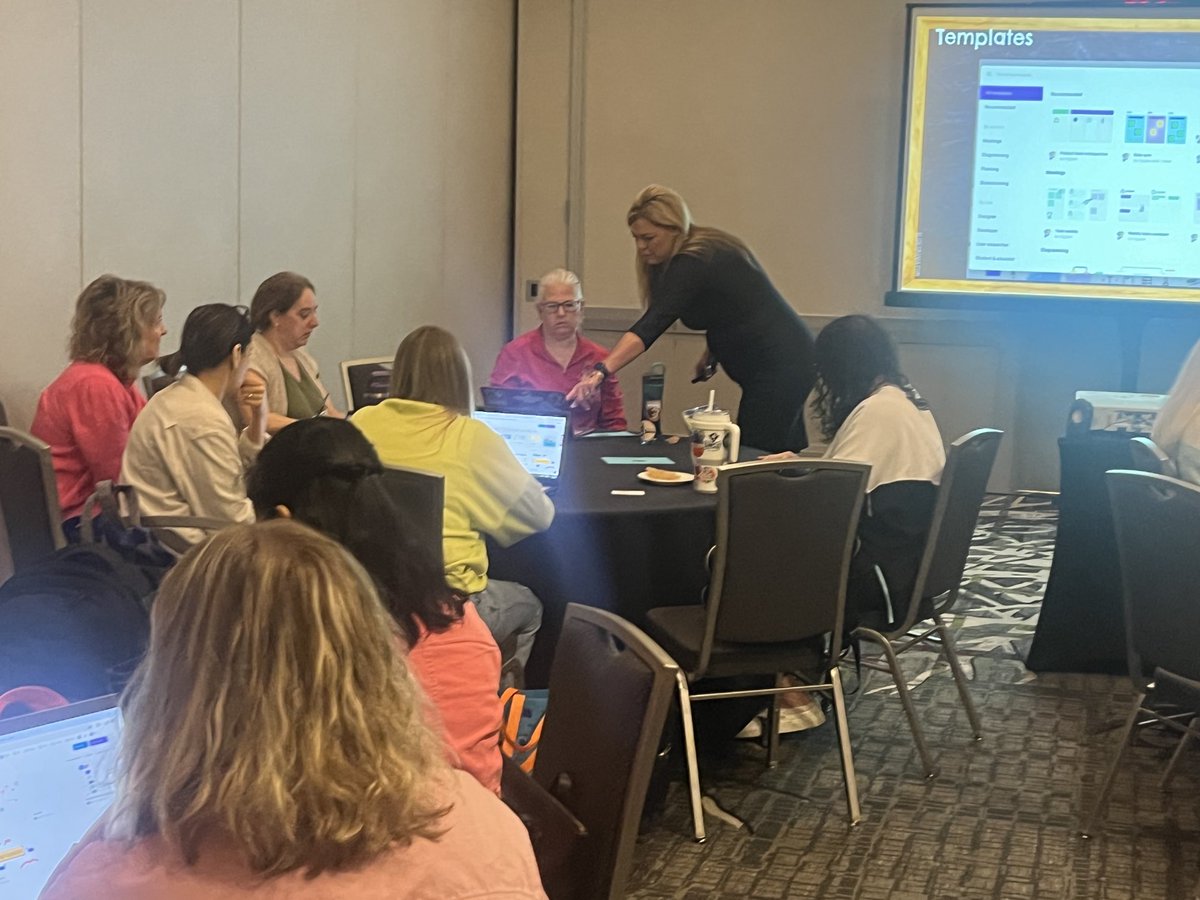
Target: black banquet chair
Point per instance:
(785, 536)
(1157, 521)
(610, 691)
(955, 513)
(28, 498)
(420, 498)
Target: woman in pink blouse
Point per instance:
(86, 413)
(555, 356)
(325, 473)
(275, 745)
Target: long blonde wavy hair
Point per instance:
(272, 707)
(665, 208)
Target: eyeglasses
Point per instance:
(567, 306)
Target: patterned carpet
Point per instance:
(1002, 818)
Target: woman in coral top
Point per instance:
(275, 745)
(86, 412)
(324, 473)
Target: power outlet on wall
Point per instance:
(531, 291)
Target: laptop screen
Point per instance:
(56, 778)
(536, 441)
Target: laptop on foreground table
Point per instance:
(56, 778)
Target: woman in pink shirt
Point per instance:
(325, 473)
(86, 413)
(275, 746)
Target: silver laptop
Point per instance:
(536, 441)
(56, 778)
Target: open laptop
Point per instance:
(536, 441)
(56, 778)
(366, 381)
(525, 400)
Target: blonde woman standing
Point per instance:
(709, 280)
(229, 787)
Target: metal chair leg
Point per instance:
(693, 765)
(773, 727)
(960, 678)
(905, 699)
(843, 730)
(1111, 775)
(1193, 731)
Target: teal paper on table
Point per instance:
(638, 460)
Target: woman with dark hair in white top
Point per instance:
(869, 412)
(184, 456)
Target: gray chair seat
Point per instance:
(680, 631)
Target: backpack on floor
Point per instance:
(75, 622)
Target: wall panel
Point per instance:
(160, 137)
(39, 194)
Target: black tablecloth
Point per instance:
(625, 554)
(1081, 627)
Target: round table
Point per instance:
(626, 554)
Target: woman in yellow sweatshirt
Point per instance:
(426, 424)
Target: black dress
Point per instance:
(751, 330)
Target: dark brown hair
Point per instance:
(277, 294)
(328, 474)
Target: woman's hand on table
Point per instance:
(778, 457)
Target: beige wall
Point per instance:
(778, 120)
(203, 146)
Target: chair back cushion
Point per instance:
(785, 535)
(963, 486)
(420, 498)
(610, 690)
(1157, 522)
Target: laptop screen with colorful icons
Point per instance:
(56, 778)
(536, 441)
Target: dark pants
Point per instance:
(771, 415)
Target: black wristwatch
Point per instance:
(602, 369)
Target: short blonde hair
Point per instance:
(564, 277)
(111, 316)
(432, 367)
(667, 209)
(272, 706)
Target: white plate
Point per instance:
(676, 477)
